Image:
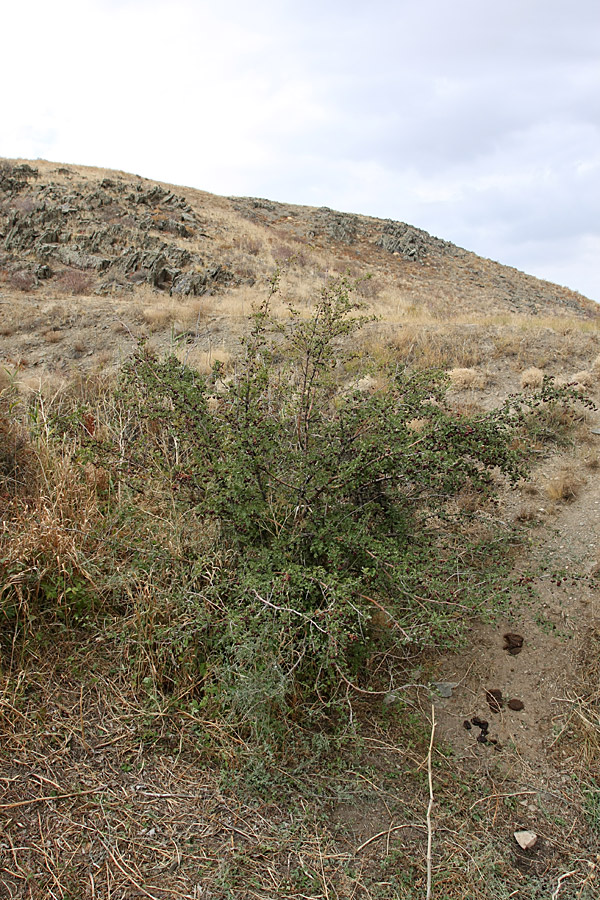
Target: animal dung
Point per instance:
(480, 723)
(516, 705)
(513, 642)
(494, 699)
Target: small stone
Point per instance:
(526, 839)
(444, 688)
(516, 705)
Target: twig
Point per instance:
(322, 866)
(560, 881)
(54, 797)
(497, 796)
(127, 874)
(360, 690)
(383, 833)
(430, 805)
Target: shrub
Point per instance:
(22, 280)
(325, 507)
(75, 281)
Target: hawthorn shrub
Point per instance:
(331, 512)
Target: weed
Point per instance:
(75, 282)
(565, 485)
(532, 378)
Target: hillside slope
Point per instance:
(91, 260)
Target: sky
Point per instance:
(476, 120)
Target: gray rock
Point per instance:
(444, 688)
(82, 260)
(189, 283)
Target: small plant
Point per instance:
(75, 282)
(532, 378)
(565, 485)
(22, 280)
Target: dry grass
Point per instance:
(532, 378)
(204, 360)
(463, 379)
(527, 513)
(583, 379)
(437, 346)
(158, 317)
(118, 795)
(564, 485)
(583, 720)
(53, 336)
(6, 378)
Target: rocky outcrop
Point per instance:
(336, 226)
(410, 243)
(110, 229)
(14, 178)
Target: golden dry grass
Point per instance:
(584, 379)
(583, 722)
(464, 379)
(53, 336)
(204, 360)
(532, 378)
(564, 485)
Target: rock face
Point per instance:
(408, 242)
(111, 230)
(14, 178)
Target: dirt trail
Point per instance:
(543, 675)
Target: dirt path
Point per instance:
(544, 673)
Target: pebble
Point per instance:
(526, 839)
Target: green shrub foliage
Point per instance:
(332, 506)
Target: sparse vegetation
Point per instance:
(75, 282)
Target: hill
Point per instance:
(91, 258)
(318, 621)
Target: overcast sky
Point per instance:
(477, 120)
